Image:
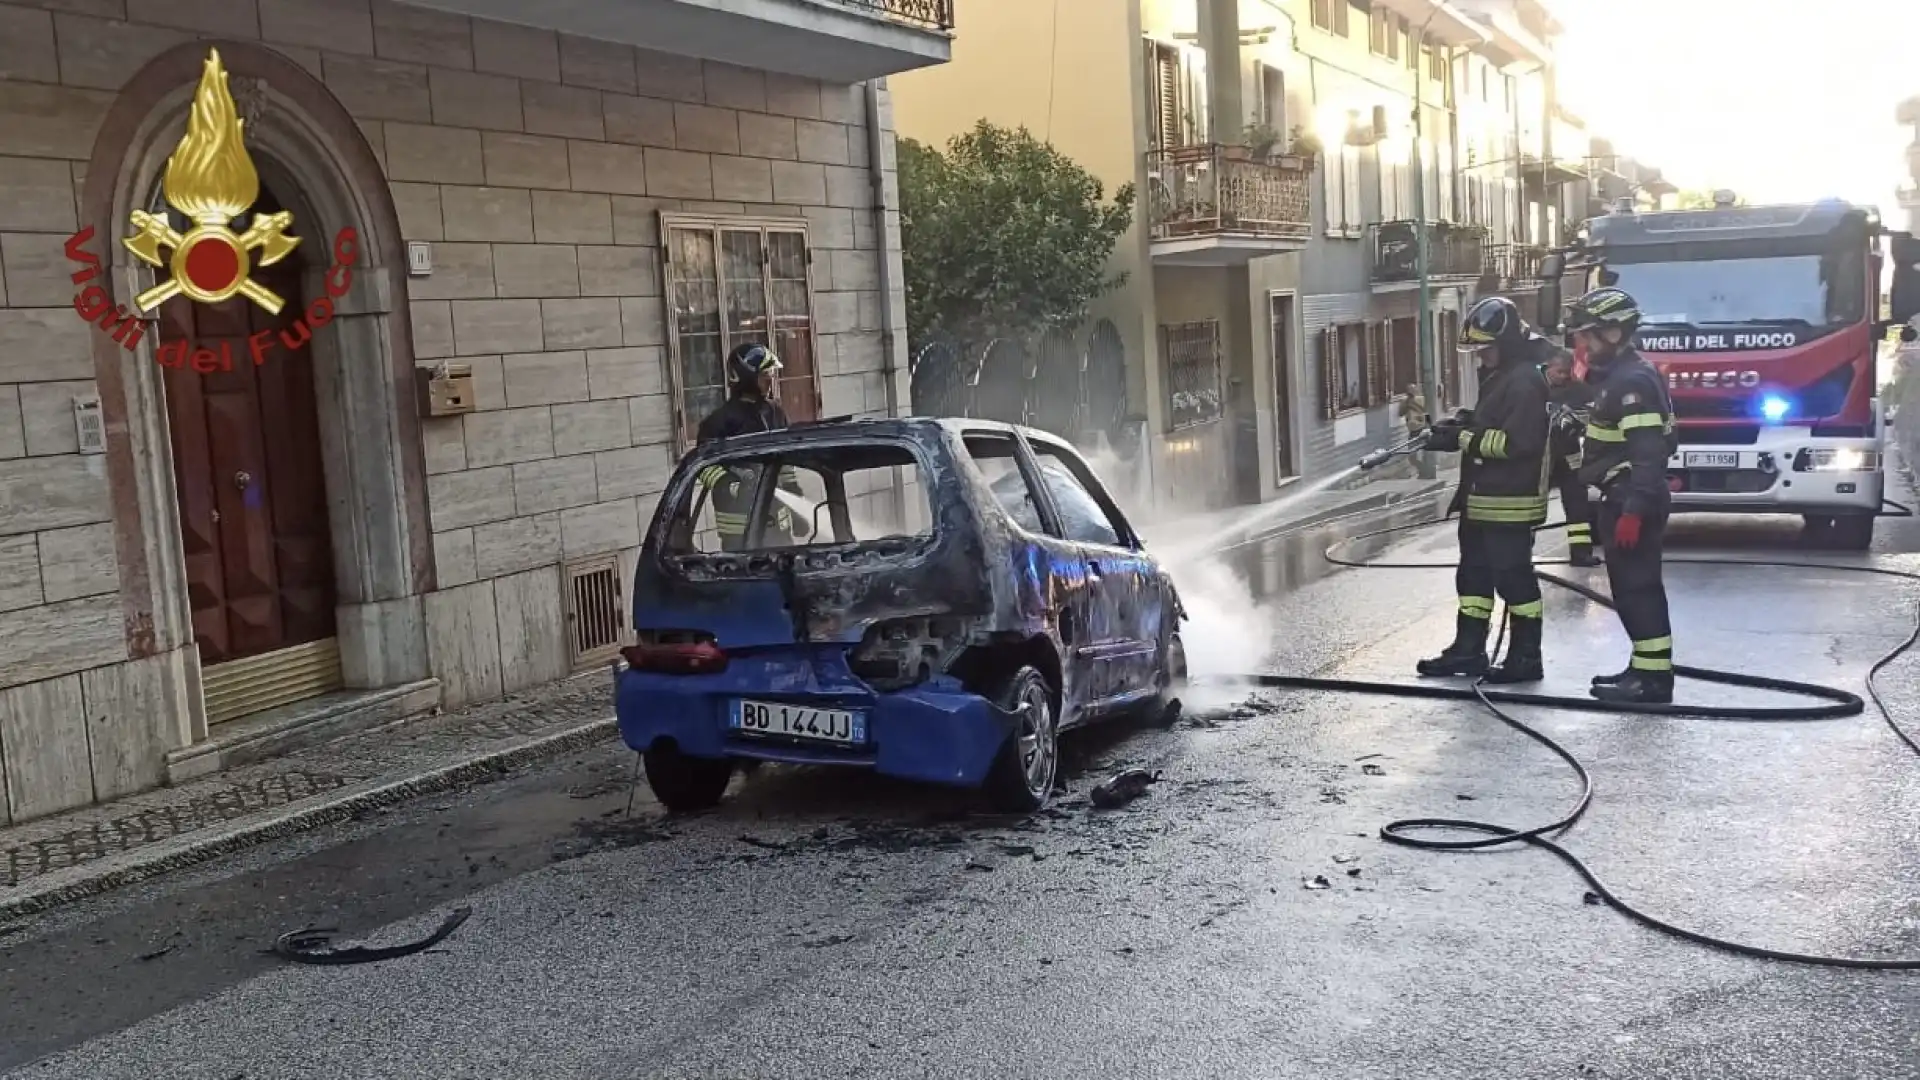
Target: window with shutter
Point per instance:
(1334, 191)
(1350, 183)
(1374, 389)
(1341, 9)
(1164, 108)
(731, 281)
(1273, 98)
(1323, 13)
(1330, 384)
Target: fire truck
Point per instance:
(1766, 322)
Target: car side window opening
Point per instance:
(1083, 517)
(819, 496)
(996, 458)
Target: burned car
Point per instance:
(930, 599)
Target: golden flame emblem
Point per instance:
(211, 180)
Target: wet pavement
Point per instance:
(1242, 919)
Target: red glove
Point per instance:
(1626, 531)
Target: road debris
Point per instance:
(1317, 881)
(1373, 770)
(310, 946)
(1122, 788)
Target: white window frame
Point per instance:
(685, 424)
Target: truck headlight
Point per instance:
(1844, 459)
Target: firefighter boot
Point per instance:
(1582, 555)
(1638, 687)
(1466, 656)
(1613, 679)
(1522, 664)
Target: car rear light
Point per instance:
(682, 658)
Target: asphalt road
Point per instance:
(1241, 920)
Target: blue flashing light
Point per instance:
(1774, 408)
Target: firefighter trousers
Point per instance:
(1575, 501)
(1496, 560)
(1639, 590)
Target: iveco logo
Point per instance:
(1713, 380)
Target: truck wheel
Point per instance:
(1021, 780)
(684, 784)
(1853, 532)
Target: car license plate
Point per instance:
(842, 727)
(1713, 459)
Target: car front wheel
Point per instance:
(1021, 780)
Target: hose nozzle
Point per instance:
(1377, 458)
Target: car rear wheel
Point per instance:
(1172, 678)
(1021, 780)
(684, 784)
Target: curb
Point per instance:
(103, 875)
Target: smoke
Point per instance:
(1228, 629)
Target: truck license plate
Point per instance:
(841, 727)
(1713, 459)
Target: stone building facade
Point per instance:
(198, 568)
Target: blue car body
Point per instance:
(880, 653)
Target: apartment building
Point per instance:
(527, 233)
(1271, 314)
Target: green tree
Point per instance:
(1003, 235)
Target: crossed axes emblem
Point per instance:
(227, 261)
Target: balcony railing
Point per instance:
(1453, 251)
(931, 14)
(1512, 263)
(1212, 190)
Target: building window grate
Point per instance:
(595, 611)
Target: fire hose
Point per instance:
(1833, 703)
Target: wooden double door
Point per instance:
(248, 470)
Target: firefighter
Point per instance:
(1629, 439)
(1503, 494)
(1570, 399)
(751, 369)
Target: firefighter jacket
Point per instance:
(1630, 434)
(732, 488)
(1504, 463)
(1575, 396)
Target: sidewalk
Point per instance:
(69, 856)
(54, 860)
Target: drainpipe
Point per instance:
(889, 328)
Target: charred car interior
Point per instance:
(932, 599)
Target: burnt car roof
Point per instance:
(908, 427)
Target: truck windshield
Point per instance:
(1810, 290)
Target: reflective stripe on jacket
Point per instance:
(1504, 459)
(1630, 434)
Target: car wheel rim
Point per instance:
(1037, 750)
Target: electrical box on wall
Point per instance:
(419, 258)
(88, 425)
(445, 389)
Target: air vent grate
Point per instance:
(595, 610)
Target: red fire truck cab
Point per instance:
(1765, 321)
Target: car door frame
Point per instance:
(1068, 592)
(1126, 605)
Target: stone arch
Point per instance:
(315, 158)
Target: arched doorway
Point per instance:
(251, 486)
(316, 449)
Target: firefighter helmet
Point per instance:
(747, 362)
(1493, 321)
(1603, 307)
